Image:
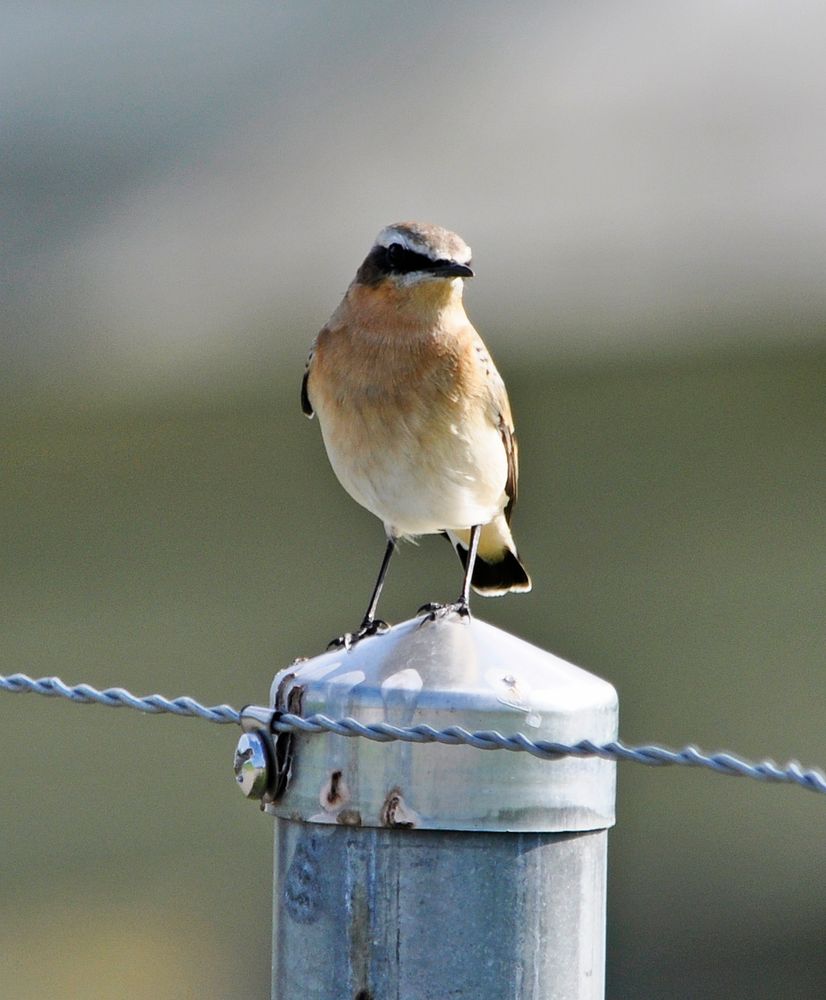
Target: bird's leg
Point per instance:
(370, 625)
(462, 605)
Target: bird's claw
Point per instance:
(349, 639)
(430, 608)
(433, 610)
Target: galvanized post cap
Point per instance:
(443, 673)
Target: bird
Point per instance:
(415, 417)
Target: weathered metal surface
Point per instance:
(450, 672)
(402, 914)
(431, 872)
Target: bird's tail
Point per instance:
(498, 569)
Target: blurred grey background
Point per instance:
(186, 191)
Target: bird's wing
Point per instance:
(306, 405)
(512, 451)
(500, 411)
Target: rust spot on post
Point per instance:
(334, 794)
(396, 813)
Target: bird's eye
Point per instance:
(399, 259)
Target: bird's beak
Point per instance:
(450, 269)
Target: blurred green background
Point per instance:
(188, 188)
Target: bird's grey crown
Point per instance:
(426, 239)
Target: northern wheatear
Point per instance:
(414, 415)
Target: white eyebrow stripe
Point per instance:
(390, 235)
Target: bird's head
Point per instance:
(418, 257)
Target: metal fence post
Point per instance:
(428, 872)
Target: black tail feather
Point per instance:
(494, 578)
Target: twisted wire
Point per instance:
(85, 694)
(383, 732)
(649, 754)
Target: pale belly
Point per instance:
(421, 473)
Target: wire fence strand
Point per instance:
(85, 694)
(383, 732)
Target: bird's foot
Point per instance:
(433, 611)
(367, 628)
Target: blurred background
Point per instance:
(187, 190)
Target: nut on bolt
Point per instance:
(253, 767)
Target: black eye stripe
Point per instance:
(397, 259)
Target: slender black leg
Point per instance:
(462, 606)
(370, 625)
(370, 613)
